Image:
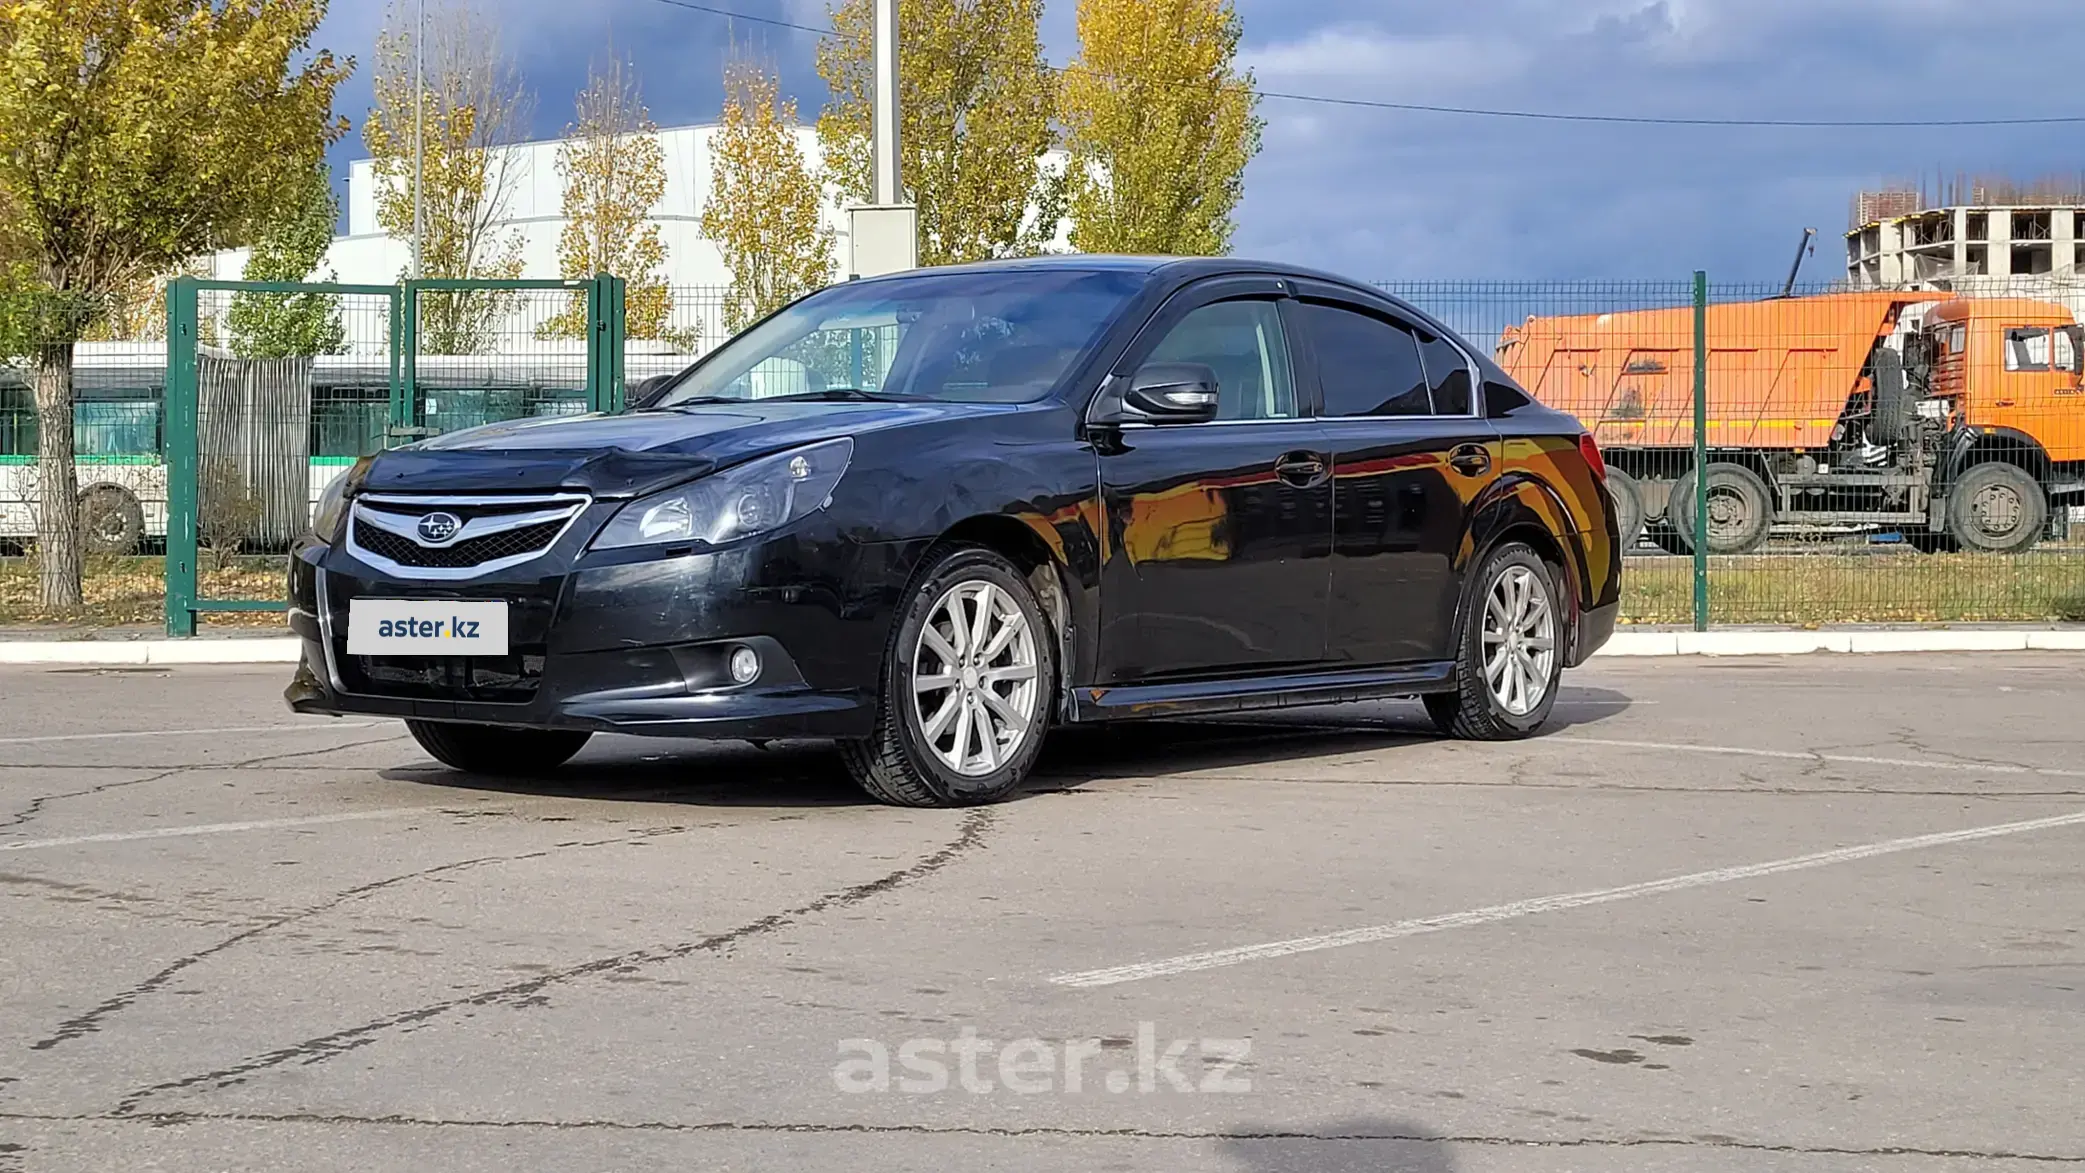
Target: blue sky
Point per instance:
(1398, 196)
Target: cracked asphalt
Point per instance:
(1820, 913)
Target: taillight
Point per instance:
(1590, 449)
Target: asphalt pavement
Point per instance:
(1817, 913)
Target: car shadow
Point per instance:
(809, 774)
(1368, 1144)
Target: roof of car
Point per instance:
(1184, 267)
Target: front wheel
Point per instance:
(497, 749)
(967, 686)
(1996, 509)
(1512, 651)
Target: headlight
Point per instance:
(332, 503)
(739, 502)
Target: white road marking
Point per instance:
(188, 732)
(1218, 958)
(1848, 759)
(217, 828)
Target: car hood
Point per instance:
(632, 454)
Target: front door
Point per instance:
(1219, 533)
(1410, 455)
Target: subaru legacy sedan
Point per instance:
(933, 515)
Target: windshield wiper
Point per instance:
(845, 395)
(698, 401)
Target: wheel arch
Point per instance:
(1038, 554)
(1974, 446)
(1528, 510)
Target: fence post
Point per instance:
(604, 343)
(407, 344)
(181, 404)
(618, 337)
(1701, 450)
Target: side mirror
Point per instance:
(1171, 393)
(643, 389)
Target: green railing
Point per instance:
(273, 388)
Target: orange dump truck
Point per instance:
(1955, 421)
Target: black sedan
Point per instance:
(932, 515)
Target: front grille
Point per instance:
(469, 552)
(482, 534)
(509, 679)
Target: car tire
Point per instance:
(1996, 508)
(112, 521)
(1628, 509)
(497, 749)
(940, 741)
(1514, 594)
(1741, 509)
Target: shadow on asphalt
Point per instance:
(810, 774)
(1358, 1145)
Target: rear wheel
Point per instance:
(1628, 508)
(497, 749)
(1512, 651)
(1741, 509)
(1997, 509)
(967, 687)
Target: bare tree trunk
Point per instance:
(57, 514)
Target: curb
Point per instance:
(286, 650)
(125, 653)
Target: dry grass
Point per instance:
(1895, 587)
(1800, 589)
(126, 591)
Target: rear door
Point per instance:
(1410, 453)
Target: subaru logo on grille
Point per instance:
(439, 527)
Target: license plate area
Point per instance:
(426, 627)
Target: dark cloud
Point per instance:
(1397, 195)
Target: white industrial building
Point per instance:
(534, 211)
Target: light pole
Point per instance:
(419, 126)
(883, 236)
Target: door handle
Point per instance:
(1471, 460)
(1303, 469)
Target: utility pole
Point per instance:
(419, 127)
(888, 189)
(883, 236)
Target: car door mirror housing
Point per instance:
(644, 388)
(1171, 393)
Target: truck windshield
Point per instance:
(995, 337)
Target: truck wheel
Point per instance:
(1628, 508)
(1741, 509)
(111, 520)
(1996, 508)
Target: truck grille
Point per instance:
(457, 537)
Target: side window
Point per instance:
(1447, 374)
(2027, 348)
(1242, 342)
(1368, 366)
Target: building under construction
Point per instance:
(1981, 236)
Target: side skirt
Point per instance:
(1240, 694)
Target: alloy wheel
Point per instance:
(1519, 638)
(974, 685)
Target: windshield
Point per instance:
(1003, 337)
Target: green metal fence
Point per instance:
(275, 388)
(1953, 501)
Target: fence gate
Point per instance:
(273, 389)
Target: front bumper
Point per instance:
(633, 647)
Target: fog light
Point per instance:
(745, 665)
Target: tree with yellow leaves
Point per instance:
(764, 200)
(615, 171)
(975, 102)
(471, 106)
(134, 136)
(1160, 124)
